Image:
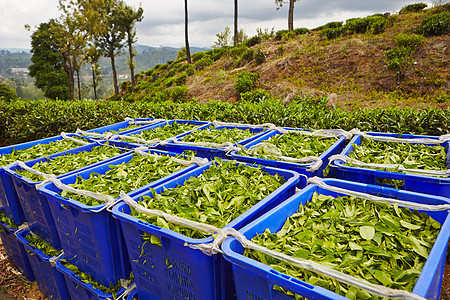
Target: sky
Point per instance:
(163, 23)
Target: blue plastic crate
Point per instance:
(255, 280)
(51, 283)
(175, 271)
(208, 152)
(93, 240)
(35, 206)
(410, 182)
(80, 290)
(15, 251)
(122, 126)
(133, 295)
(200, 124)
(336, 148)
(9, 203)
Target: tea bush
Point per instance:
(435, 25)
(246, 82)
(416, 7)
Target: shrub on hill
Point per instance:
(435, 25)
(416, 7)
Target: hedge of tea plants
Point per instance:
(23, 121)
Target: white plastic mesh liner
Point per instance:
(66, 137)
(399, 167)
(439, 140)
(106, 135)
(142, 122)
(407, 204)
(195, 160)
(275, 151)
(136, 139)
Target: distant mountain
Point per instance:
(16, 50)
(146, 59)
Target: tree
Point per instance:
(223, 38)
(7, 93)
(280, 3)
(128, 17)
(93, 56)
(111, 40)
(48, 63)
(236, 30)
(188, 50)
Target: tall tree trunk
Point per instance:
(130, 50)
(79, 86)
(291, 15)
(236, 31)
(94, 83)
(188, 51)
(69, 71)
(116, 87)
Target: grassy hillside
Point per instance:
(378, 61)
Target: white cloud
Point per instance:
(163, 22)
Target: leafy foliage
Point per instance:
(7, 93)
(435, 25)
(127, 177)
(356, 237)
(216, 197)
(412, 156)
(293, 145)
(164, 132)
(70, 162)
(246, 82)
(48, 63)
(416, 7)
(24, 121)
(218, 136)
(112, 289)
(5, 220)
(257, 95)
(37, 151)
(42, 245)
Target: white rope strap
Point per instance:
(136, 139)
(275, 151)
(195, 160)
(133, 122)
(108, 199)
(22, 165)
(66, 137)
(226, 147)
(323, 133)
(329, 272)
(400, 167)
(407, 204)
(106, 135)
(441, 139)
(214, 247)
(178, 221)
(269, 126)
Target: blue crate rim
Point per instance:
(200, 124)
(65, 271)
(125, 217)
(21, 238)
(242, 261)
(12, 169)
(323, 156)
(341, 164)
(78, 205)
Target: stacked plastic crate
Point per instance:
(411, 187)
(107, 241)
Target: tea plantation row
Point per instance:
(22, 121)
